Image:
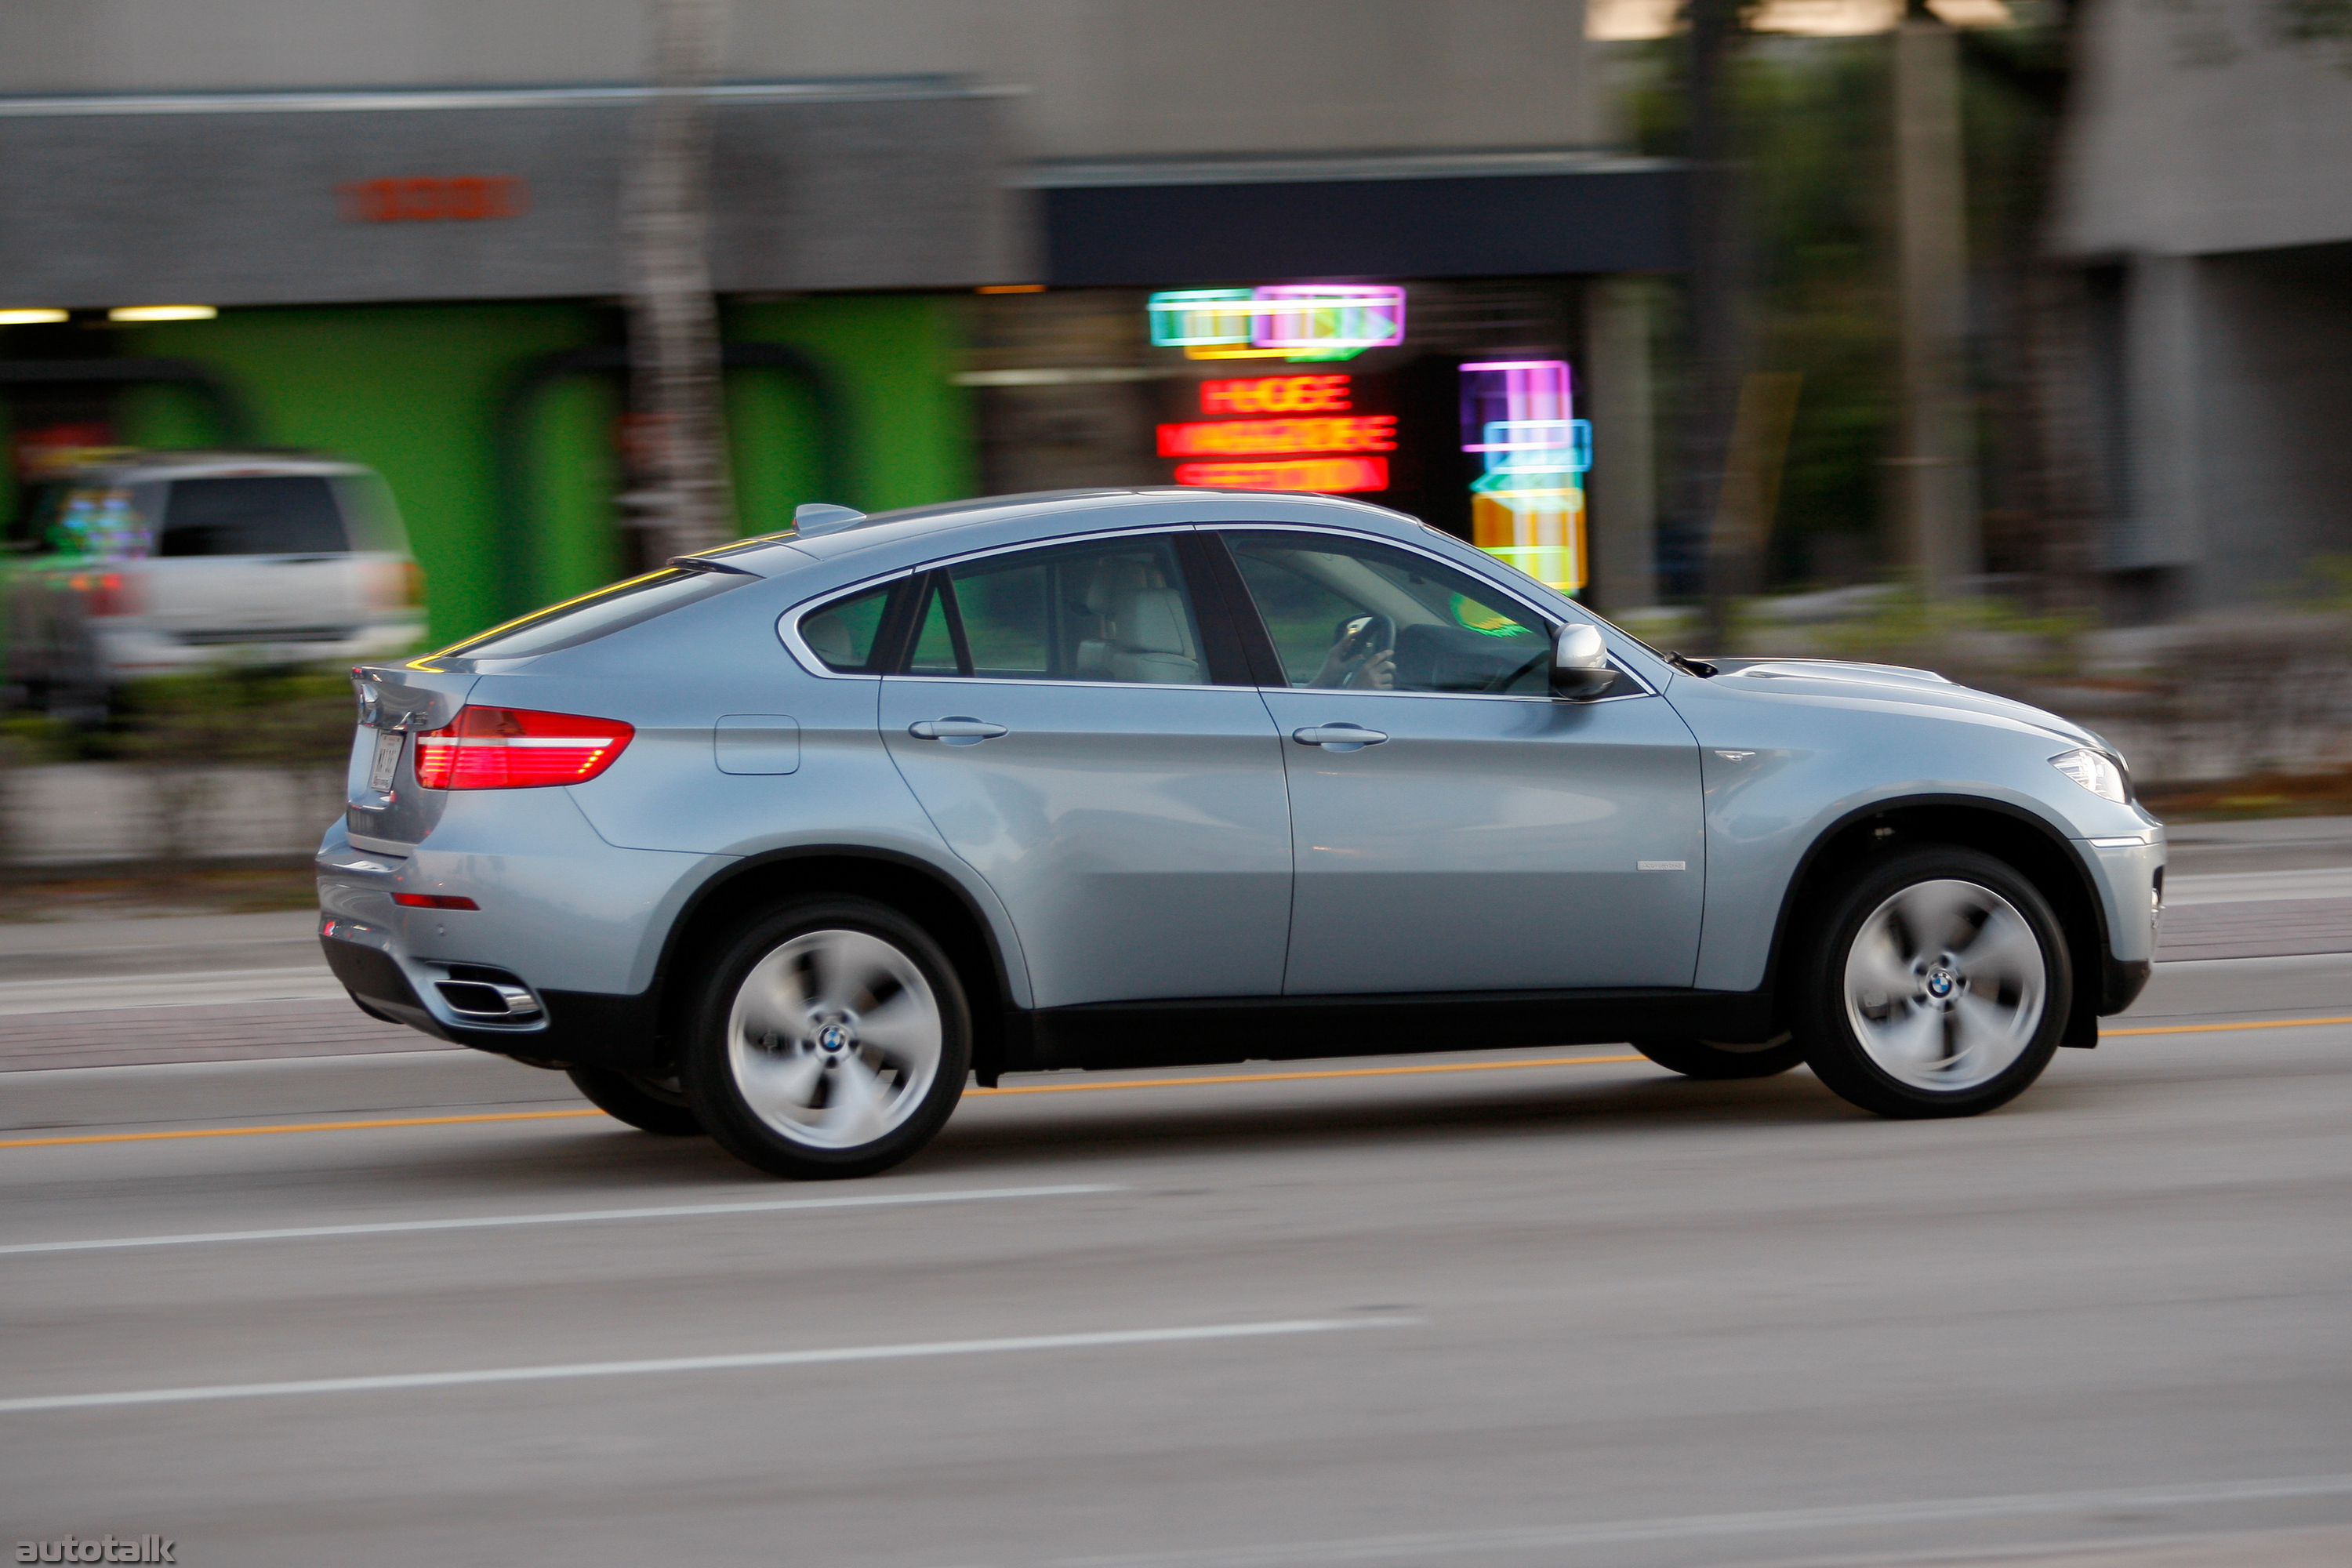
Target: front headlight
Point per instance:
(2094, 771)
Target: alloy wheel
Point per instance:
(834, 1038)
(1945, 984)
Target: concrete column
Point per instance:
(2165, 378)
(1623, 488)
(1934, 476)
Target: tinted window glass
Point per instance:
(369, 514)
(842, 633)
(276, 514)
(1114, 611)
(935, 648)
(596, 614)
(1369, 617)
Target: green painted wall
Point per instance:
(414, 390)
(410, 390)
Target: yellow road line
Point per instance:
(291, 1127)
(1022, 1088)
(1097, 1087)
(2225, 1028)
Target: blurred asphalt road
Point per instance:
(1581, 1313)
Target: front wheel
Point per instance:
(832, 1039)
(1938, 985)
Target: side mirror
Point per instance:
(1580, 663)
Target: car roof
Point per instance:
(130, 468)
(1046, 514)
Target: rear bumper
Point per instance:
(127, 652)
(577, 1029)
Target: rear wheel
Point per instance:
(1722, 1059)
(1938, 985)
(832, 1039)
(649, 1105)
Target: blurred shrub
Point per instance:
(1989, 642)
(185, 730)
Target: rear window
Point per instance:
(273, 514)
(596, 614)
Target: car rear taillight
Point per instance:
(518, 748)
(109, 593)
(432, 901)
(396, 584)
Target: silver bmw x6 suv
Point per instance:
(787, 841)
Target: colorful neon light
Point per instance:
(1324, 476)
(1186, 318)
(1309, 317)
(1279, 437)
(1278, 394)
(1527, 507)
(1289, 320)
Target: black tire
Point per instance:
(831, 1038)
(1723, 1059)
(644, 1103)
(1868, 1013)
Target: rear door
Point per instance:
(1081, 733)
(254, 558)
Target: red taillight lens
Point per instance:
(109, 593)
(433, 901)
(516, 748)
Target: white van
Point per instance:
(156, 562)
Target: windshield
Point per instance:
(596, 614)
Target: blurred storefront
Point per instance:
(1354, 325)
(428, 282)
(931, 285)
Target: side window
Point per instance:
(1345, 613)
(1114, 611)
(844, 633)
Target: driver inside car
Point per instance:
(1361, 657)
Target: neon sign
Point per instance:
(1289, 320)
(1314, 420)
(1326, 476)
(1277, 394)
(1342, 433)
(1527, 507)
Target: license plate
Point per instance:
(387, 760)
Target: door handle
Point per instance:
(1339, 737)
(957, 730)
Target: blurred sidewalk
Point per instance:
(236, 987)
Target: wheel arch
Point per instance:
(917, 889)
(2035, 847)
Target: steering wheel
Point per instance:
(1358, 637)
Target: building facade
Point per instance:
(2206, 194)
(406, 216)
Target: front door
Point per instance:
(1455, 828)
(1060, 720)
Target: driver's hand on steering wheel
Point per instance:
(1377, 673)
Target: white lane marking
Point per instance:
(570, 1217)
(700, 1363)
(1441, 1544)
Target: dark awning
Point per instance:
(1486, 214)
